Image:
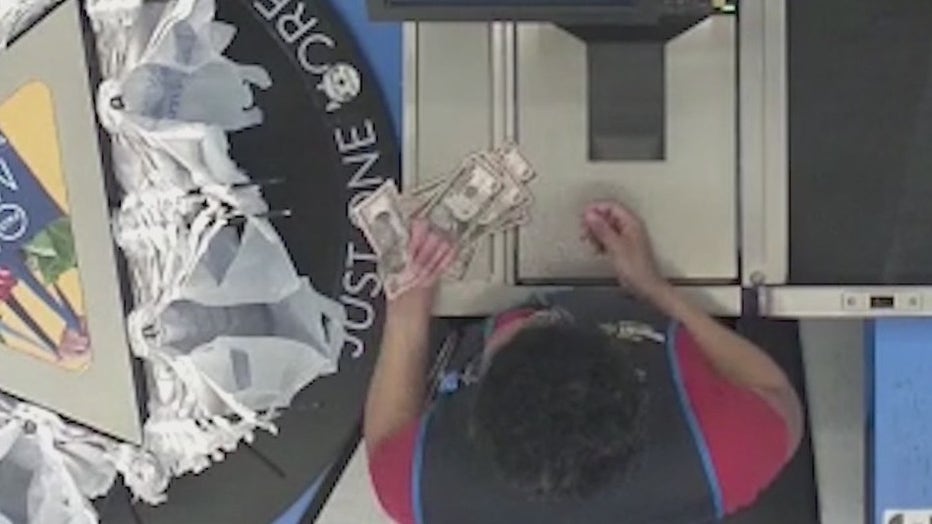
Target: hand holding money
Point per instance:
(486, 195)
(408, 259)
(430, 254)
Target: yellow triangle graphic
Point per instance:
(27, 119)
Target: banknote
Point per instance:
(515, 163)
(456, 209)
(511, 219)
(414, 201)
(380, 218)
(510, 208)
(428, 189)
(513, 195)
(486, 195)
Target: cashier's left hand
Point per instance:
(431, 256)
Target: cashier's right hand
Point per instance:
(620, 234)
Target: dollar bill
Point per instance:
(428, 189)
(486, 195)
(513, 195)
(515, 163)
(513, 218)
(510, 209)
(415, 201)
(382, 223)
(466, 254)
(457, 208)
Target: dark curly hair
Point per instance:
(560, 411)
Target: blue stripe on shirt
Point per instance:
(698, 437)
(417, 503)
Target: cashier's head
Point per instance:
(560, 411)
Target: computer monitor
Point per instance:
(612, 12)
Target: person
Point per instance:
(632, 406)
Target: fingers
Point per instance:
(612, 207)
(443, 258)
(587, 237)
(605, 234)
(617, 214)
(429, 247)
(448, 260)
(431, 253)
(419, 233)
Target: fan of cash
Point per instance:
(486, 194)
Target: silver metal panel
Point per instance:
(764, 154)
(506, 242)
(451, 98)
(689, 201)
(454, 95)
(833, 355)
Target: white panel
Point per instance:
(846, 301)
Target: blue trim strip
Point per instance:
(418, 468)
(698, 437)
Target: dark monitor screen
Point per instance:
(570, 11)
(469, 3)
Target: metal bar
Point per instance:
(409, 155)
(764, 171)
(500, 73)
(776, 142)
(508, 242)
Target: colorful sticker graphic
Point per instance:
(41, 302)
